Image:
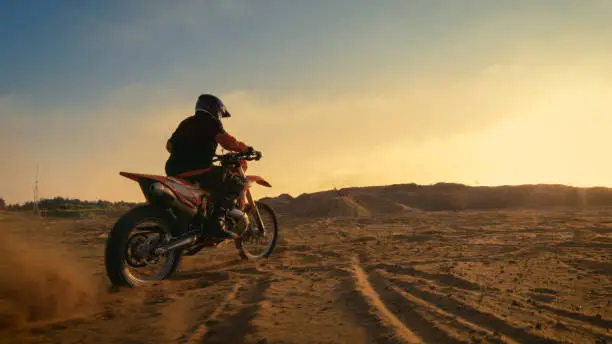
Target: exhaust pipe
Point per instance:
(241, 221)
(176, 244)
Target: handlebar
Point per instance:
(234, 158)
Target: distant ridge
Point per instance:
(398, 198)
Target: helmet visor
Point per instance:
(224, 113)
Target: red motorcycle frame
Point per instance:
(192, 195)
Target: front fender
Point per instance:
(259, 180)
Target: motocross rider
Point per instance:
(192, 146)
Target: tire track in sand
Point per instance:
(408, 326)
(592, 325)
(468, 313)
(194, 334)
(231, 321)
(452, 322)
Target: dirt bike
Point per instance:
(163, 228)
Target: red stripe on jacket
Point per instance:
(229, 142)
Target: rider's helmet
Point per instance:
(212, 105)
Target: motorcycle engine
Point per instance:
(239, 221)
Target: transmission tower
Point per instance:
(36, 210)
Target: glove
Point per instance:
(252, 151)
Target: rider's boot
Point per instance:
(215, 224)
(215, 230)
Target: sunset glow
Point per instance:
(346, 94)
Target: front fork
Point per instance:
(249, 198)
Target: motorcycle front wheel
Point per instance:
(257, 243)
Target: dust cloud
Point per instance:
(41, 283)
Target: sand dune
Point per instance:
(511, 276)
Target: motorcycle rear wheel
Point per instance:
(117, 258)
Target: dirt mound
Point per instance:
(321, 204)
(399, 198)
(41, 284)
(347, 206)
(377, 204)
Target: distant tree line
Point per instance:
(61, 203)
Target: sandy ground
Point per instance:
(464, 277)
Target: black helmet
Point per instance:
(212, 105)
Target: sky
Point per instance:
(334, 93)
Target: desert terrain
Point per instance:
(346, 273)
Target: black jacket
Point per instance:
(194, 144)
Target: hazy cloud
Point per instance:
(429, 128)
